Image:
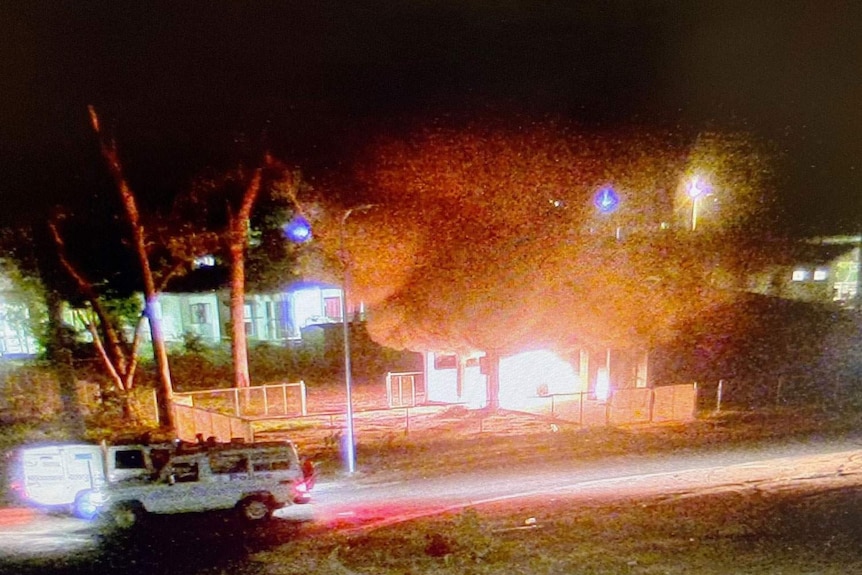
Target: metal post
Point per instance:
(237, 409)
(351, 448)
(778, 390)
(284, 398)
(857, 299)
(581, 409)
(265, 401)
(718, 395)
(694, 213)
(695, 191)
(303, 397)
(696, 399)
(651, 405)
(348, 384)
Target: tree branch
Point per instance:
(112, 158)
(86, 288)
(129, 376)
(100, 348)
(249, 197)
(169, 275)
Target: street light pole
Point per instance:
(694, 192)
(694, 213)
(348, 378)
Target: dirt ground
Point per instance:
(792, 516)
(399, 440)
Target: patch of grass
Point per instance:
(745, 532)
(732, 532)
(528, 440)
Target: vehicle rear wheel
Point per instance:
(126, 515)
(254, 509)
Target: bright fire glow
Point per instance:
(532, 374)
(603, 384)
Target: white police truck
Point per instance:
(253, 479)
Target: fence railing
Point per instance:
(263, 400)
(405, 389)
(624, 406)
(193, 424)
(195, 416)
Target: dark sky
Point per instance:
(183, 82)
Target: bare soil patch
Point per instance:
(477, 440)
(813, 526)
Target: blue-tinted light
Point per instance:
(297, 230)
(698, 187)
(607, 200)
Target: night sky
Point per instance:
(184, 84)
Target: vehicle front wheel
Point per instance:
(126, 515)
(254, 509)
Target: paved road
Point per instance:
(782, 465)
(363, 502)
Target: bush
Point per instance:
(29, 392)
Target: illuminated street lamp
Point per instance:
(696, 189)
(298, 230)
(348, 383)
(607, 201)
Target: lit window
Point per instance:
(200, 313)
(207, 261)
(820, 275)
(445, 361)
(800, 275)
(332, 306)
(248, 319)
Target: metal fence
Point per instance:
(264, 400)
(624, 406)
(193, 423)
(405, 389)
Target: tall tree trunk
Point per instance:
(237, 237)
(239, 344)
(165, 390)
